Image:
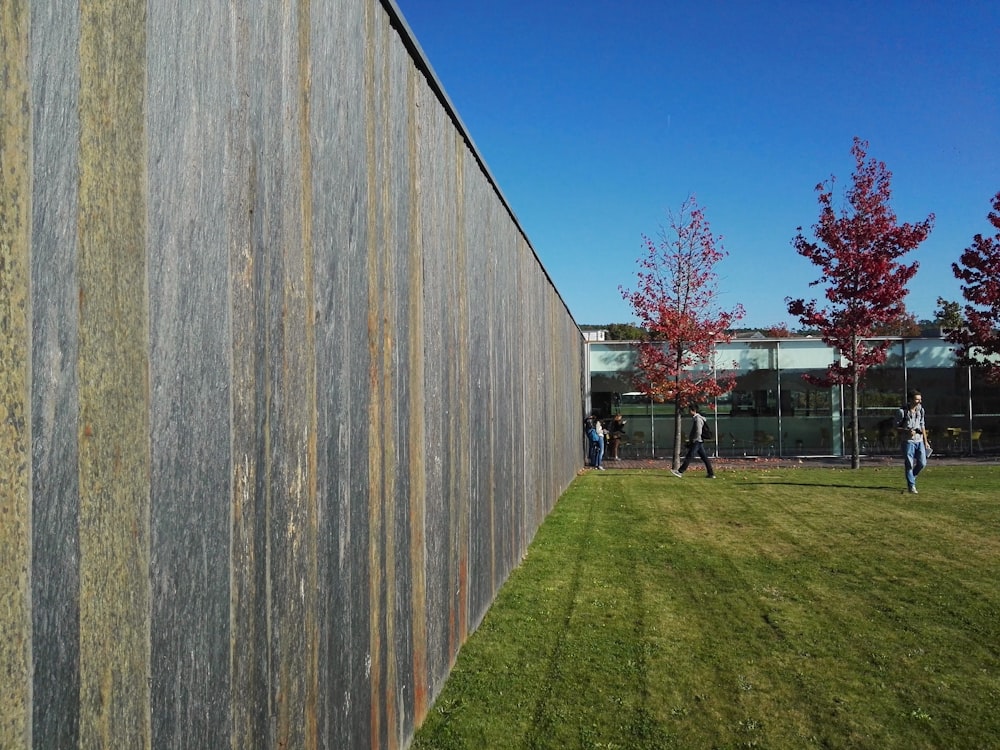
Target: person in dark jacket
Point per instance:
(615, 435)
(696, 445)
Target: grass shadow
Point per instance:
(895, 488)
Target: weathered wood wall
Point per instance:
(286, 391)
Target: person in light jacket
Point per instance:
(913, 439)
(696, 446)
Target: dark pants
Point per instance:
(697, 449)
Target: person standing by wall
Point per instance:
(595, 435)
(912, 431)
(599, 448)
(588, 432)
(615, 435)
(696, 445)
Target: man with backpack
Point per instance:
(696, 444)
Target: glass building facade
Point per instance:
(774, 411)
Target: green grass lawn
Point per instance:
(782, 608)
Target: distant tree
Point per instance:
(778, 331)
(905, 325)
(948, 314)
(858, 253)
(624, 332)
(979, 270)
(675, 301)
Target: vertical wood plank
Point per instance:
(55, 578)
(114, 378)
(249, 646)
(15, 407)
(417, 434)
(190, 376)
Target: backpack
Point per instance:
(706, 432)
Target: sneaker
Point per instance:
(600, 468)
(676, 473)
(913, 491)
(710, 476)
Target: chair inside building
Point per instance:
(763, 443)
(637, 441)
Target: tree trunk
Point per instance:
(678, 432)
(856, 448)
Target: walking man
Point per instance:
(696, 445)
(913, 438)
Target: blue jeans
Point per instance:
(914, 460)
(597, 451)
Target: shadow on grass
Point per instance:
(723, 474)
(894, 488)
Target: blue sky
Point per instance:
(598, 117)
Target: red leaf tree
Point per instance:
(675, 300)
(979, 270)
(858, 253)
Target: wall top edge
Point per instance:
(424, 65)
